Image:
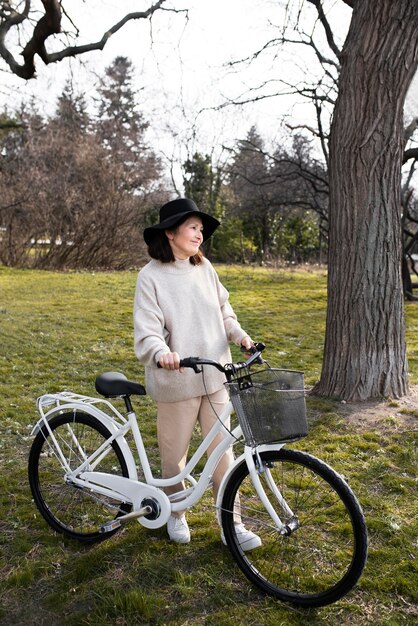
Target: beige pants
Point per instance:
(175, 424)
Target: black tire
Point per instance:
(75, 512)
(321, 560)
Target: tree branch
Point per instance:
(323, 138)
(71, 51)
(412, 153)
(312, 130)
(310, 93)
(50, 24)
(11, 18)
(410, 129)
(321, 58)
(328, 32)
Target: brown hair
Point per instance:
(159, 248)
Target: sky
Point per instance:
(180, 65)
(181, 68)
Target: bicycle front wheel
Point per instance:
(69, 509)
(321, 553)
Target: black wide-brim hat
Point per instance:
(175, 212)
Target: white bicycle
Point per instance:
(84, 480)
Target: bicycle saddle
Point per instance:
(114, 384)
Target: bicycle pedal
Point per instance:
(109, 526)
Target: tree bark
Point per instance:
(365, 352)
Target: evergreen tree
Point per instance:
(203, 184)
(71, 110)
(122, 127)
(252, 186)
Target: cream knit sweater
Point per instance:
(184, 308)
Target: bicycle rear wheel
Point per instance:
(76, 512)
(324, 553)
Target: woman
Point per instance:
(181, 309)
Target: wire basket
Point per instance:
(270, 405)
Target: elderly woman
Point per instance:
(182, 309)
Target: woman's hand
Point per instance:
(170, 361)
(247, 342)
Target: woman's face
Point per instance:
(187, 238)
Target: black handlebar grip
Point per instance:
(187, 362)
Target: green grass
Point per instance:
(57, 330)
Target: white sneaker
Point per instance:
(178, 529)
(246, 538)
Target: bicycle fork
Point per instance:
(256, 467)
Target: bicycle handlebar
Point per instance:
(229, 369)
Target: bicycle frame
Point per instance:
(130, 489)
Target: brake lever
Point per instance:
(255, 358)
(256, 349)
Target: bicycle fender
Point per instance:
(101, 417)
(238, 461)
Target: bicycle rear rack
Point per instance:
(68, 399)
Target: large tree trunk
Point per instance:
(365, 353)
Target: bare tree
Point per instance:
(317, 84)
(315, 41)
(24, 22)
(64, 201)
